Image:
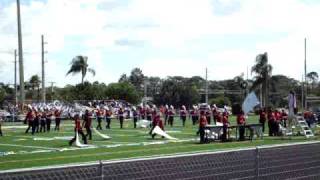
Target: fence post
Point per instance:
(101, 169)
(257, 163)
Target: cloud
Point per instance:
(179, 37)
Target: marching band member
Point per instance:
(99, 114)
(241, 121)
(208, 114)
(87, 121)
(50, 116)
(120, 116)
(271, 121)
(263, 118)
(225, 122)
(43, 121)
(142, 112)
(284, 118)
(166, 115)
(149, 113)
(108, 114)
(193, 114)
(183, 115)
(135, 116)
(214, 110)
(78, 129)
(57, 114)
(171, 115)
(29, 119)
(156, 122)
(36, 122)
(202, 124)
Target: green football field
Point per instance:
(20, 150)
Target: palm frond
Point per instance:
(92, 71)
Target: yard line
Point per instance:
(36, 147)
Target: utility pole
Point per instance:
(302, 92)
(21, 72)
(15, 78)
(52, 89)
(305, 73)
(206, 85)
(43, 71)
(267, 85)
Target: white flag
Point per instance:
(250, 102)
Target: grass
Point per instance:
(125, 143)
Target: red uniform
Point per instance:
(241, 120)
(203, 121)
(77, 125)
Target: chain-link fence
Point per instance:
(294, 161)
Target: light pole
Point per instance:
(21, 72)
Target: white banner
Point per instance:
(250, 102)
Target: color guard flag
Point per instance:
(250, 102)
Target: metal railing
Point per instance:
(288, 161)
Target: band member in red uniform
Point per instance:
(202, 124)
(78, 129)
(87, 121)
(149, 113)
(50, 116)
(36, 122)
(156, 122)
(277, 121)
(142, 112)
(219, 117)
(29, 119)
(241, 121)
(166, 110)
(214, 110)
(99, 114)
(225, 122)
(43, 121)
(121, 117)
(284, 118)
(57, 114)
(194, 114)
(208, 114)
(271, 121)
(263, 118)
(135, 116)
(171, 116)
(108, 114)
(183, 115)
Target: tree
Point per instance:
(123, 78)
(123, 91)
(263, 72)
(312, 78)
(137, 78)
(177, 91)
(80, 64)
(35, 83)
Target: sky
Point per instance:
(161, 37)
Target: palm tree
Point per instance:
(312, 77)
(263, 72)
(35, 83)
(80, 64)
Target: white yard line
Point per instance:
(36, 147)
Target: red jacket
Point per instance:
(203, 121)
(77, 125)
(241, 120)
(225, 121)
(263, 115)
(30, 116)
